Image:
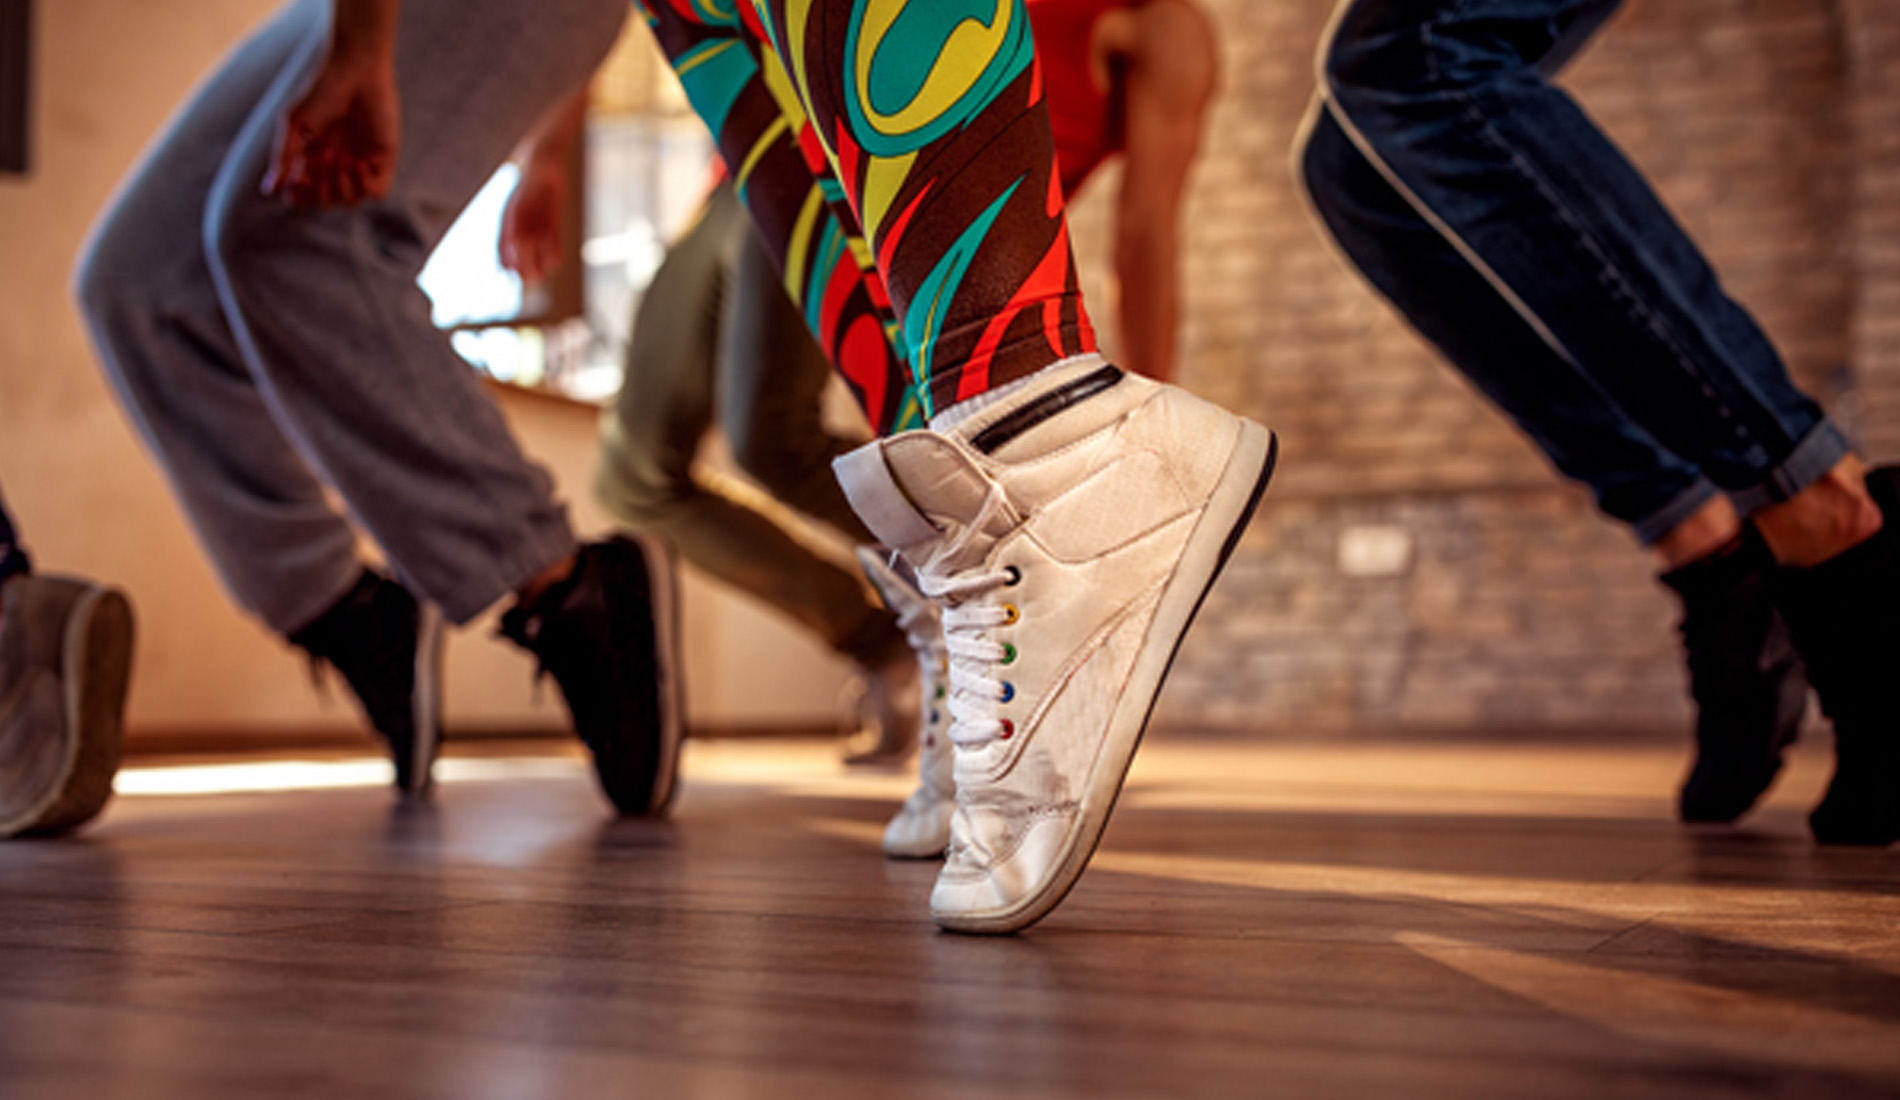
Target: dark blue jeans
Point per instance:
(12, 556)
(1476, 196)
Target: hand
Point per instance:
(337, 145)
(534, 224)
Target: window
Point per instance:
(645, 166)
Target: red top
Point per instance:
(1087, 120)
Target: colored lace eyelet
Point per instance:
(1010, 614)
(1015, 576)
(1009, 691)
(1009, 654)
(935, 717)
(941, 692)
(1009, 729)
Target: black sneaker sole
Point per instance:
(663, 584)
(426, 700)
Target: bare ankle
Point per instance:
(1824, 520)
(1708, 529)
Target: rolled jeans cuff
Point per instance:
(1651, 528)
(1817, 453)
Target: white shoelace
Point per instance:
(921, 629)
(968, 620)
(974, 655)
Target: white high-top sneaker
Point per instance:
(1070, 531)
(888, 708)
(921, 829)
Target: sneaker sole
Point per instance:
(663, 583)
(426, 701)
(1229, 509)
(96, 658)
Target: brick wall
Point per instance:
(1772, 127)
(1872, 33)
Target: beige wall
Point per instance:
(109, 71)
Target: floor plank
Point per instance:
(1445, 919)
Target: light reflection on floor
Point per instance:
(1524, 915)
(250, 777)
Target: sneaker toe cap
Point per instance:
(1001, 892)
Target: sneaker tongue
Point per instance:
(940, 481)
(921, 493)
(967, 509)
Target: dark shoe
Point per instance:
(65, 659)
(1844, 615)
(608, 635)
(389, 649)
(1749, 687)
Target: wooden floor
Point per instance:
(1458, 920)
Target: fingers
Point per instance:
(346, 188)
(527, 256)
(540, 261)
(532, 233)
(287, 156)
(374, 174)
(510, 244)
(314, 183)
(327, 166)
(302, 172)
(326, 176)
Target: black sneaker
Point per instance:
(65, 658)
(1844, 615)
(608, 634)
(1748, 683)
(389, 649)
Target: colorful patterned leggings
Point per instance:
(924, 122)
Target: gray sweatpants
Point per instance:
(266, 353)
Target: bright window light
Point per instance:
(464, 277)
(316, 775)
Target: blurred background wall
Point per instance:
(91, 501)
(1498, 597)
(1416, 563)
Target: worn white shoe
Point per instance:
(65, 661)
(1070, 531)
(921, 829)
